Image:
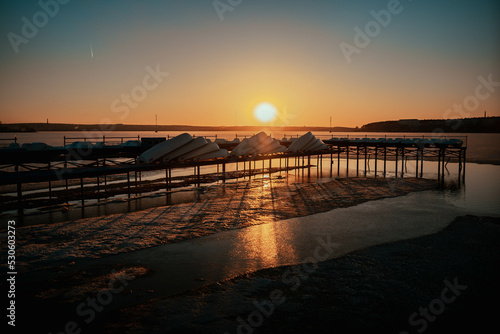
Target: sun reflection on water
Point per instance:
(262, 245)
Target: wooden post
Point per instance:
(402, 161)
(459, 164)
(376, 152)
(338, 161)
(439, 165)
(105, 175)
(321, 165)
(166, 180)
(443, 164)
(357, 161)
(65, 167)
(223, 172)
(128, 184)
(198, 175)
(309, 166)
(421, 162)
(347, 161)
(303, 165)
(82, 193)
(396, 171)
(366, 156)
(331, 165)
(463, 171)
(416, 164)
(50, 186)
(385, 160)
(135, 182)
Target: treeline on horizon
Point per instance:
(471, 125)
(462, 125)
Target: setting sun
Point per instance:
(265, 112)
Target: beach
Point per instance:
(374, 290)
(213, 210)
(199, 267)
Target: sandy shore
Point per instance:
(375, 290)
(219, 208)
(66, 266)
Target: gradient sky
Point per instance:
(288, 53)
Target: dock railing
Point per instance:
(5, 142)
(110, 140)
(407, 136)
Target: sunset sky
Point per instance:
(205, 62)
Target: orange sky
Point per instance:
(218, 71)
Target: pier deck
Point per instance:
(20, 167)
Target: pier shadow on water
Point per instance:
(316, 171)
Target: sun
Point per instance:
(265, 112)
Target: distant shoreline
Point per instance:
(468, 125)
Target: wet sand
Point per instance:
(219, 208)
(381, 289)
(63, 264)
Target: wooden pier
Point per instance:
(20, 168)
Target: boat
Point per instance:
(161, 149)
(300, 143)
(205, 149)
(221, 153)
(186, 148)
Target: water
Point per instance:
(479, 193)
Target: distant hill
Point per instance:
(467, 125)
(18, 127)
(479, 124)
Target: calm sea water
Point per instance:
(479, 193)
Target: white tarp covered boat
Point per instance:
(260, 143)
(298, 144)
(182, 147)
(186, 148)
(307, 142)
(207, 148)
(221, 153)
(163, 148)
